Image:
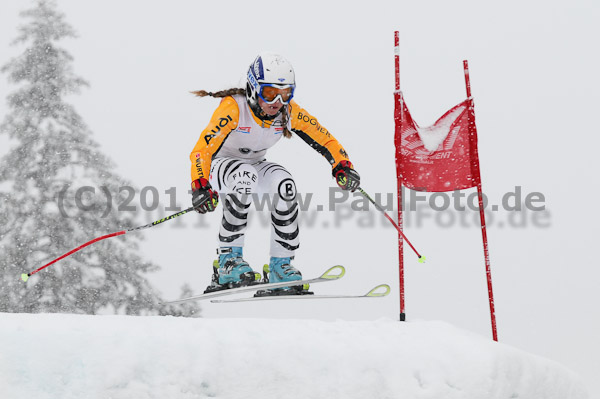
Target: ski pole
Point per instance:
(25, 276)
(380, 209)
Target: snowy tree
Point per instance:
(46, 201)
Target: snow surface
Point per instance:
(47, 356)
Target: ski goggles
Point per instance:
(270, 93)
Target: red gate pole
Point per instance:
(476, 173)
(397, 141)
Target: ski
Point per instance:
(377, 292)
(331, 274)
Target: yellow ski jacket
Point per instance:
(225, 135)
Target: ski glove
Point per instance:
(204, 198)
(345, 176)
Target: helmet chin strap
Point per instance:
(260, 114)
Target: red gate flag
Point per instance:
(439, 157)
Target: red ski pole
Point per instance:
(25, 276)
(380, 209)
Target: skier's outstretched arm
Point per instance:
(223, 121)
(308, 128)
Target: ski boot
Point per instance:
(280, 269)
(231, 271)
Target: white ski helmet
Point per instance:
(269, 70)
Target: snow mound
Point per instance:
(69, 356)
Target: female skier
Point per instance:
(229, 159)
